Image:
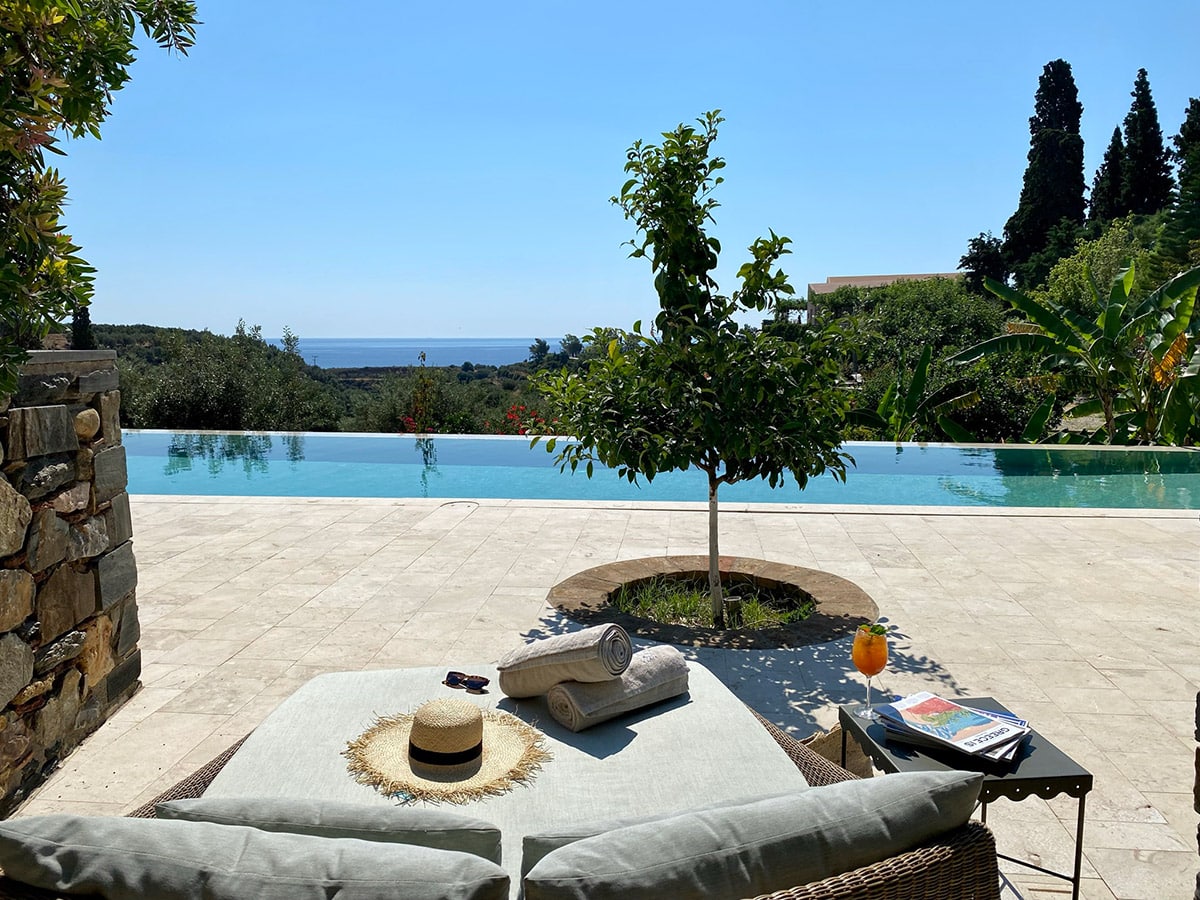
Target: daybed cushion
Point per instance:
(535, 847)
(759, 847)
(131, 859)
(436, 828)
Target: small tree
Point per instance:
(984, 259)
(700, 391)
(81, 330)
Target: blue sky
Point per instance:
(444, 170)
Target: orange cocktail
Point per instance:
(870, 655)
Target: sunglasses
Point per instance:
(473, 683)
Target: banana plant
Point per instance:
(1130, 356)
(904, 408)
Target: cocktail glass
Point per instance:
(870, 656)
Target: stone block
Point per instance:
(116, 575)
(40, 431)
(87, 424)
(124, 678)
(110, 418)
(16, 598)
(65, 649)
(89, 538)
(129, 629)
(55, 721)
(66, 598)
(47, 474)
(96, 658)
(15, 515)
(42, 387)
(16, 667)
(74, 499)
(48, 540)
(111, 476)
(117, 521)
(99, 381)
(14, 744)
(34, 690)
(85, 465)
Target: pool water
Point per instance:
(340, 465)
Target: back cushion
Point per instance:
(434, 828)
(759, 847)
(131, 859)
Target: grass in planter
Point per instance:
(681, 601)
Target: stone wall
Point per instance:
(68, 615)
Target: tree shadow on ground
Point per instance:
(799, 689)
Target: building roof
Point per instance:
(829, 285)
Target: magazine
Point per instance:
(929, 720)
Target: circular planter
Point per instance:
(841, 605)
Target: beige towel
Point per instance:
(599, 653)
(654, 674)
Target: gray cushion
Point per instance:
(759, 847)
(534, 847)
(434, 828)
(129, 859)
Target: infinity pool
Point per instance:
(340, 465)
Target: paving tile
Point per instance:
(243, 601)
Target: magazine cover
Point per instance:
(950, 723)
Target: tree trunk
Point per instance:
(714, 558)
(1106, 402)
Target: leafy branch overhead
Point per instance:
(61, 61)
(699, 390)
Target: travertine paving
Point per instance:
(1083, 622)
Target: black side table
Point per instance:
(1039, 769)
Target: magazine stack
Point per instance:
(928, 720)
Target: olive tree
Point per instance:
(60, 63)
(698, 389)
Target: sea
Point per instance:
(356, 353)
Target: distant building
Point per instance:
(829, 285)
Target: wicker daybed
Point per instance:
(960, 865)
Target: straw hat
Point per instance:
(449, 751)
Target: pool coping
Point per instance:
(844, 509)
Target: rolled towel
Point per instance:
(655, 674)
(599, 653)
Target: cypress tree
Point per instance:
(81, 330)
(1052, 190)
(1187, 143)
(1147, 177)
(1107, 190)
(1178, 246)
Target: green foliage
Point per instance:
(737, 404)
(1108, 188)
(908, 408)
(81, 330)
(984, 259)
(1069, 282)
(1053, 186)
(60, 63)
(936, 312)
(1187, 143)
(682, 601)
(538, 351)
(230, 383)
(1147, 182)
(1136, 356)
